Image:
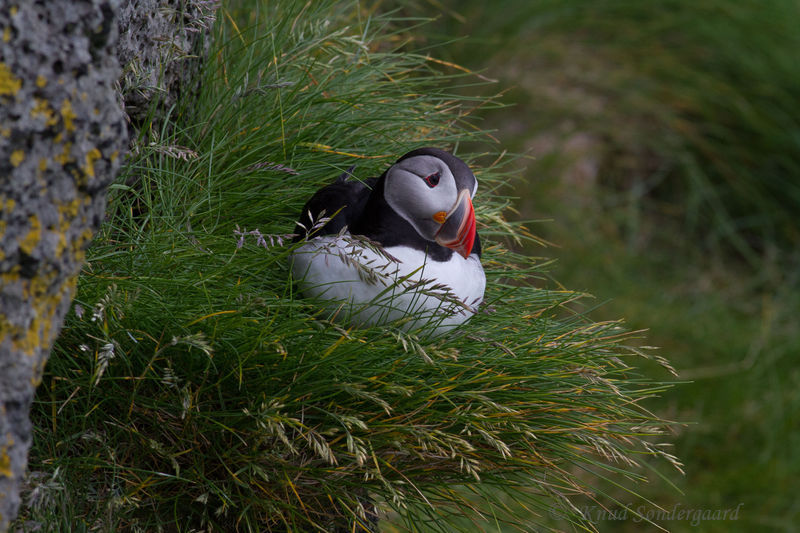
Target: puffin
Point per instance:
(402, 248)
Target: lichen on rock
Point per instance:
(161, 48)
(62, 133)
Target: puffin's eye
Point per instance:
(433, 179)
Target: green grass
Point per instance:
(692, 102)
(734, 341)
(665, 152)
(192, 388)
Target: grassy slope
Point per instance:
(665, 137)
(193, 388)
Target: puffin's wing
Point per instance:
(343, 201)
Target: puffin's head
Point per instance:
(432, 190)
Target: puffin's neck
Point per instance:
(381, 223)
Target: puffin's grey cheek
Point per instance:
(427, 228)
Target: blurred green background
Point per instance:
(663, 144)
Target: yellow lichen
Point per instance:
(17, 157)
(37, 288)
(79, 244)
(5, 464)
(85, 236)
(41, 81)
(68, 115)
(61, 244)
(29, 242)
(8, 205)
(5, 460)
(28, 340)
(42, 108)
(43, 164)
(10, 276)
(63, 158)
(6, 34)
(39, 334)
(92, 156)
(9, 84)
(69, 210)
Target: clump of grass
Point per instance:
(193, 389)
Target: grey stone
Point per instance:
(161, 48)
(62, 137)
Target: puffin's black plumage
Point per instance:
(342, 201)
(362, 207)
(420, 211)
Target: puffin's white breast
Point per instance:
(364, 286)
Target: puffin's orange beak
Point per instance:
(458, 225)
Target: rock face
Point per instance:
(62, 137)
(161, 47)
